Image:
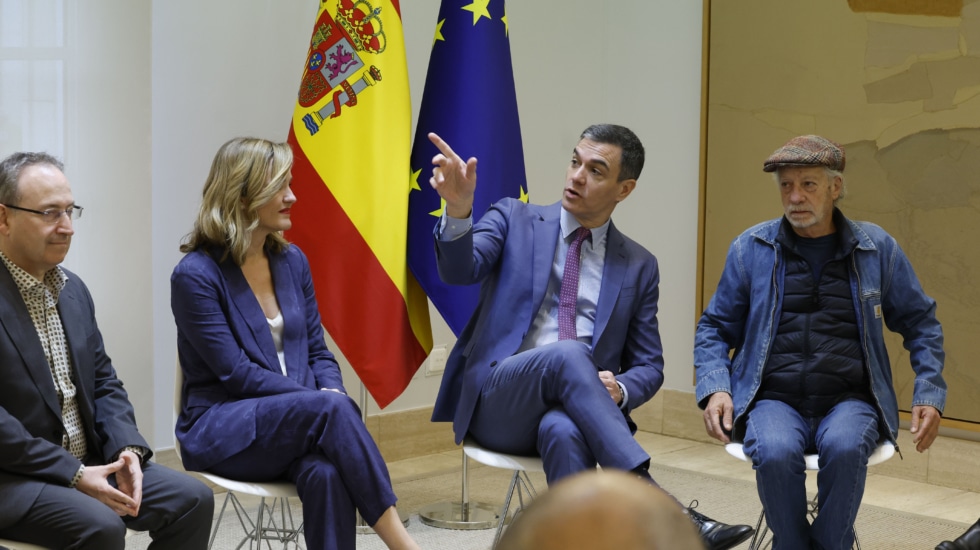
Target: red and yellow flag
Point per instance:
(351, 136)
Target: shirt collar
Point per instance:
(569, 225)
(54, 280)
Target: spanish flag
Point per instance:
(351, 137)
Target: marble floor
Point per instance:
(881, 490)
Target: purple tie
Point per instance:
(568, 297)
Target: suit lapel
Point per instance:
(613, 272)
(248, 308)
(17, 323)
(545, 229)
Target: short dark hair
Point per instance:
(631, 162)
(12, 167)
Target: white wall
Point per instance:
(108, 160)
(163, 85)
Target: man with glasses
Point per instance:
(74, 469)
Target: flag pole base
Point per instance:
(460, 515)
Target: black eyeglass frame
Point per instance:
(73, 212)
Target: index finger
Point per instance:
(440, 144)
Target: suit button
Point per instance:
(493, 364)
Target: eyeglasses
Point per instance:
(53, 216)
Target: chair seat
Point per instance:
(265, 489)
(501, 460)
(14, 545)
(17, 545)
(883, 452)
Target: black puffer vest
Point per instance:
(816, 359)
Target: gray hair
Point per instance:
(13, 166)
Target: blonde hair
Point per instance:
(246, 173)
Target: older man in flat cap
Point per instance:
(790, 354)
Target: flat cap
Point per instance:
(806, 151)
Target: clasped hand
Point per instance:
(124, 500)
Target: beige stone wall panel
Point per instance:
(900, 92)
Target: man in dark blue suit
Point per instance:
(546, 366)
(74, 469)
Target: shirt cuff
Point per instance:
(78, 476)
(139, 451)
(626, 396)
(451, 228)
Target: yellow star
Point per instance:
(439, 35)
(479, 9)
(506, 26)
(442, 206)
(524, 196)
(413, 181)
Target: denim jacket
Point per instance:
(743, 316)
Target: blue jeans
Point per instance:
(776, 439)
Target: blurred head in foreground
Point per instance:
(597, 510)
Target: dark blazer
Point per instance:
(510, 252)
(31, 454)
(227, 354)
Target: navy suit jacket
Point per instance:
(31, 427)
(227, 354)
(510, 252)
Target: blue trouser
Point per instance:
(319, 441)
(550, 401)
(777, 437)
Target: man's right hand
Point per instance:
(95, 484)
(718, 416)
(453, 179)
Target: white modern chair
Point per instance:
(17, 545)
(883, 452)
(14, 545)
(519, 482)
(265, 526)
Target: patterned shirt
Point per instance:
(41, 299)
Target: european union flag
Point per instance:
(469, 100)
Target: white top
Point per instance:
(275, 325)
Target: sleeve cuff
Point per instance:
(78, 476)
(451, 228)
(624, 404)
(138, 451)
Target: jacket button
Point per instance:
(493, 364)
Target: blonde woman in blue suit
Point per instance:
(263, 397)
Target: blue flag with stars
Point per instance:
(470, 101)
